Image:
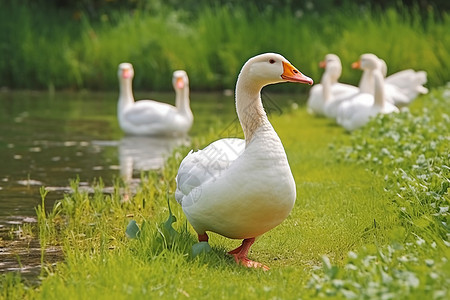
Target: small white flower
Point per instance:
(429, 262)
(352, 255)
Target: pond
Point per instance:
(49, 139)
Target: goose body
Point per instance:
(401, 88)
(242, 188)
(357, 112)
(149, 117)
(405, 86)
(329, 92)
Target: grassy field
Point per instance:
(62, 49)
(370, 222)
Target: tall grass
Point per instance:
(36, 46)
(47, 48)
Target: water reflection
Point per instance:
(138, 153)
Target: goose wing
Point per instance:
(205, 165)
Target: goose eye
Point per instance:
(272, 61)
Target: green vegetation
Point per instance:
(370, 221)
(372, 214)
(411, 152)
(63, 48)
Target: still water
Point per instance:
(50, 139)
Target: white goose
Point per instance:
(149, 117)
(329, 90)
(242, 188)
(357, 112)
(401, 88)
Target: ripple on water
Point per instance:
(22, 253)
(30, 182)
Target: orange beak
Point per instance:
(356, 65)
(291, 74)
(126, 73)
(322, 64)
(179, 83)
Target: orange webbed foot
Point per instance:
(246, 262)
(240, 255)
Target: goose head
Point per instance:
(367, 61)
(180, 80)
(125, 71)
(333, 67)
(270, 68)
(373, 58)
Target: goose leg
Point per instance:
(241, 252)
(203, 237)
(237, 250)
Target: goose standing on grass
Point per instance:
(242, 188)
(149, 117)
(329, 90)
(357, 112)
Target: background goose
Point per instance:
(329, 90)
(242, 188)
(149, 117)
(357, 112)
(401, 88)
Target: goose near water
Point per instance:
(149, 117)
(242, 188)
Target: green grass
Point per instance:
(410, 152)
(59, 49)
(370, 221)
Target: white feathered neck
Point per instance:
(182, 101)
(125, 92)
(379, 94)
(249, 106)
